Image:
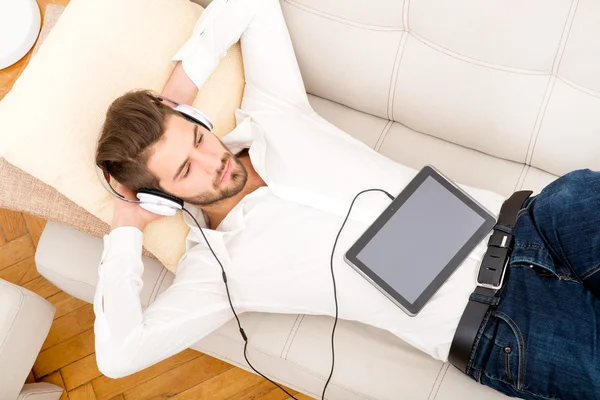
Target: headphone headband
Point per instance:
(106, 181)
(190, 112)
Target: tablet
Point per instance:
(414, 246)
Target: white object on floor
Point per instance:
(20, 22)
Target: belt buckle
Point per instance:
(499, 246)
(489, 285)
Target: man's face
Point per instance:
(193, 164)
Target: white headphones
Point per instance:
(156, 201)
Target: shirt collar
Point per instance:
(242, 137)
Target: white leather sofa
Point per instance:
(25, 319)
(501, 95)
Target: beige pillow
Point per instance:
(98, 50)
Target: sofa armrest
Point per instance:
(25, 319)
(40, 391)
(76, 272)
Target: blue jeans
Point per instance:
(542, 341)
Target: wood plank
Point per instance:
(260, 390)
(70, 325)
(63, 354)
(302, 396)
(19, 272)
(56, 379)
(30, 378)
(31, 272)
(42, 4)
(119, 397)
(41, 286)
(221, 387)
(12, 223)
(278, 394)
(5, 80)
(2, 239)
(106, 388)
(61, 2)
(85, 392)
(15, 251)
(17, 68)
(35, 226)
(80, 372)
(178, 379)
(65, 303)
(275, 394)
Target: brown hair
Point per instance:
(134, 122)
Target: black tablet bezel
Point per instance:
(414, 308)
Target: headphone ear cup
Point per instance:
(159, 202)
(158, 209)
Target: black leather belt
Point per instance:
(489, 280)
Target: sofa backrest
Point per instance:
(517, 79)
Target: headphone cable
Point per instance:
(242, 333)
(241, 330)
(335, 286)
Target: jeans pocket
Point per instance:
(544, 272)
(540, 270)
(506, 359)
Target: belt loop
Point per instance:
(480, 298)
(504, 228)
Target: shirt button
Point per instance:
(507, 350)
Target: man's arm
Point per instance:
(129, 339)
(270, 66)
(180, 87)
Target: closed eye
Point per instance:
(187, 172)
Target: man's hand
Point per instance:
(130, 214)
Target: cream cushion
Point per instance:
(97, 51)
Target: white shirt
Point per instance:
(275, 245)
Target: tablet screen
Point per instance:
(420, 239)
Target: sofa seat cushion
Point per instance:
(416, 150)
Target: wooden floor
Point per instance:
(67, 358)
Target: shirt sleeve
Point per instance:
(128, 338)
(270, 65)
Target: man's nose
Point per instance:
(211, 163)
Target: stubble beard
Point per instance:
(237, 181)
